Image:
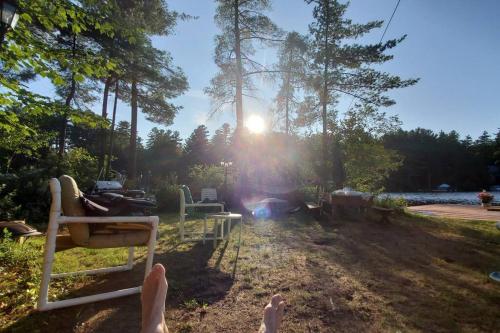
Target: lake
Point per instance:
(422, 198)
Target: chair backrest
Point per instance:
(208, 194)
(182, 202)
(187, 194)
(66, 195)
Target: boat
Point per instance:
(443, 188)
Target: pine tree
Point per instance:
(243, 24)
(290, 71)
(220, 144)
(338, 67)
(196, 149)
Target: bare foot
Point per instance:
(154, 293)
(273, 314)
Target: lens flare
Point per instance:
(256, 124)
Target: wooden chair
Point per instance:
(187, 204)
(90, 232)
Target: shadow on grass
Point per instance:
(189, 277)
(421, 274)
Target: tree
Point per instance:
(243, 24)
(220, 145)
(150, 81)
(365, 163)
(163, 151)
(39, 46)
(290, 71)
(196, 149)
(340, 68)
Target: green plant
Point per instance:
(386, 201)
(167, 198)
(191, 304)
(82, 166)
(206, 176)
(19, 273)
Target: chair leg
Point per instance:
(130, 260)
(181, 227)
(151, 245)
(216, 229)
(204, 229)
(48, 260)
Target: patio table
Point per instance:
(224, 217)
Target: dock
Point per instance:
(466, 212)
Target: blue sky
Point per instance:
(452, 46)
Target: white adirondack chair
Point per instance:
(126, 231)
(187, 202)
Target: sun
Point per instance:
(255, 124)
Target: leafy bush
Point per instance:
(20, 275)
(82, 166)
(205, 176)
(167, 198)
(386, 201)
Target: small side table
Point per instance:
(224, 217)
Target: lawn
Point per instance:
(414, 274)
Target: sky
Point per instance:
(452, 46)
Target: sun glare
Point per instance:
(255, 124)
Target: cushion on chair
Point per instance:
(72, 206)
(120, 239)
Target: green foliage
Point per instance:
(291, 71)
(339, 64)
(244, 26)
(80, 165)
(430, 159)
(8, 208)
(167, 197)
(19, 273)
(206, 176)
(398, 204)
(197, 149)
(368, 165)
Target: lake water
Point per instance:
(422, 198)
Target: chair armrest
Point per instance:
(108, 219)
(207, 204)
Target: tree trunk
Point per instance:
(104, 115)
(132, 166)
(288, 97)
(324, 111)
(239, 70)
(111, 135)
(67, 104)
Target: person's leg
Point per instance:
(273, 314)
(154, 293)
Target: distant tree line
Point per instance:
(430, 159)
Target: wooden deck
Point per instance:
(466, 212)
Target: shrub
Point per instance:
(167, 198)
(20, 275)
(386, 201)
(205, 176)
(79, 164)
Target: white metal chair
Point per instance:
(208, 195)
(186, 201)
(122, 231)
